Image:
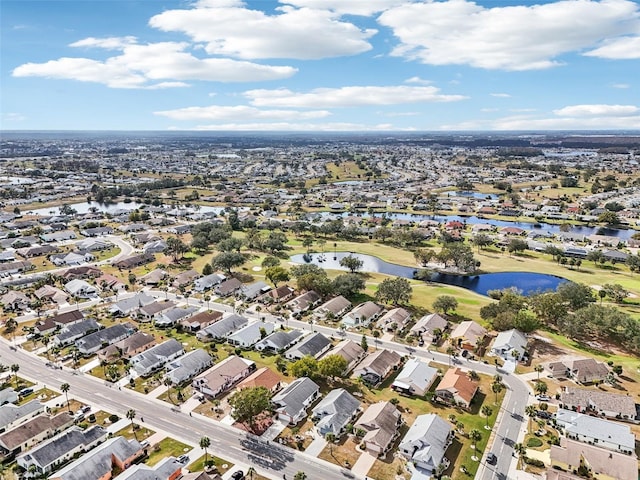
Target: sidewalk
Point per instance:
(316, 447)
(363, 464)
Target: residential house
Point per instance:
(582, 370)
(173, 316)
(14, 300)
(278, 341)
(81, 289)
(263, 377)
(314, 344)
(70, 333)
(278, 295)
(596, 431)
(32, 432)
(188, 366)
(303, 302)
(395, 318)
(155, 246)
(44, 458)
(130, 305)
(149, 312)
(154, 277)
(350, 351)
(71, 258)
(133, 261)
(96, 231)
(12, 415)
(376, 366)
(363, 314)
(223, 375)
(468, 335)
(50, 324)
(93, 245)
(254, 290)
(58, 236)
(456, 388)
(93, 342)
(426, 443)
(596, 462)
(201, 320)
(430, 327)
(8, 395)
(169, 468)
(332, 309)
(510, 345)
(208, 282)
(291, 402)
(228, 287)
(185, 278)
(156, 357)
(222, 328)
(116, 453)
(133, 227)
(607, 404)
(334, 412)
(415, 378)
(49, 293)
(381, 422)
(247, 336)
(137, 343)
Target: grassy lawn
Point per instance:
(296, 437)
(140, 432)
(222, 466)
(165, 448)
(346, 450)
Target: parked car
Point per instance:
(543, 398)
(492, 459)
(237, 475)
(183, 459)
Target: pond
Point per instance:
(525, 282)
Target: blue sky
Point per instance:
(330, 65)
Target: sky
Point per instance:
(320, 65)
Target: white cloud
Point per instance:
(621, 85)
(626, 48)
(597, 111)
(286, 126)
(13, 117)
(418, 81)
(355, 96)
(347, 7)
(239, 113)
(229, 28)
(152, 66)
(460, 32)
(109, 43)
(500, 95)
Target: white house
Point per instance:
(426, 442)
(510, 345)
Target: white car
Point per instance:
(543, 398)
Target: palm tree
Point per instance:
(531, 411)
(538, 369)
(65, 387)
(475, 437)
(250, 472)
(540, 388)
(486, 411)
(460, 426)
(330, 438)
(14, 369)
(496, 387)
(205, 442)
(206, 299)
(131, 414)
(167, 383)
(520, 449)
(450, 352)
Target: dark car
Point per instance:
(543, 414)
(492, 459)
(237, 475)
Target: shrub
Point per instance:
(534, 442)
(114, 418)
(534, 462)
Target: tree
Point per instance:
(14, 369)
(276, 275)
(482, 240)
(615, 292)
(364, 344)
(487, 411)
(516, 245)
(307, 366)
(330, 437)
(496, 388)
(353, 264)
(270, 261)
(167, 383)
(207, 269)
(176, 247)
(227, 260)
(540, 387)
(131, 415)
(538, 369)
(444, 303)
(577, 295)
(610, 218)
(205, 443)
(65, 387)
(423, 256)
(530, 411)
(394, 290)
(549, 307)
(348, 284)
(248, 403)
(300, 475)
(475, 436)
(113, 372)
(230, 244)
(332, 366)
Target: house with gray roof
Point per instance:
(334, 412)
(116, 452)
(510, 345)
(12, 415)
(596, 431)
(148, 312)
(80, 288)
(607, 404)
(228, 287)
(381, 422)
(93, 342)
(173, 316)
(127, 306)
(58, 236)
(415, 378)
(303, 302)
(278, 341)
(156, 357)
(376, 366)
(350, 351)
(426, 443)
(166, 469)
(254, 290)
(249, 335)
(222, 328)
(334, 308)
(363, 314)
(429, 326)
(291, 402)
(188, 366)
(223, 375)
(395, 318)
(208, 282)
(60, 448)
(30, 433)
(314, 344)
(70, 333)
(8, 395)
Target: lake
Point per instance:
(526, 282)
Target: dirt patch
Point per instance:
(260, 424)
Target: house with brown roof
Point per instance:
(395, 318)
(430, 327)
(49, 324)
(581, 370)
(133, 261)
(49, 293)
(456, 388)
(468, 335)
(363, 314)
(335, 308)
(350, 351)
(594, 461)
(32, 432)
(376, 366)
(263, 377)
(128, 347)
(201, 320)
(303, 302)
(278, 295)
(154, 277)
(82, 272)
(223, 375)
(381, 422)
(14, 300)
(228, 287)
(149, 312)
(185, 278)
